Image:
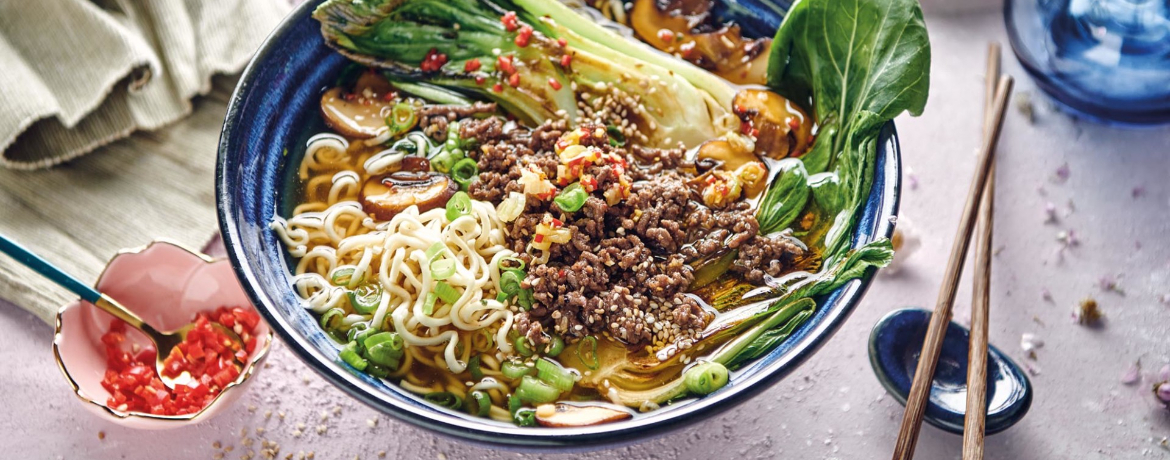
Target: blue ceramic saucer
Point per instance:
(894, 347)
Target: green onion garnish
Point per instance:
(365, 298)
(510, 282)
(459, 205)
(446, 292)
(429, 304)
(533, 391)
(332, 318)
(378, 371)
(553, 374)
(341, 276)
(705, 378)
(445, 399)
(434, 251)
(385, 349)
(522, 349)
(479, 403)
(464, 172)
(511, 263)
(514, 369)
(525, 299)
(514, 404)
(571, 198)
(588, 345)
(350, 355)
(402, 119)
(524, 417)
(555, 346)
(445, 160)
(442, 269)
(473, 367)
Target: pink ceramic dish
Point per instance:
(166, 284)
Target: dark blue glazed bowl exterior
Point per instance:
(894, 348)
(277, 98)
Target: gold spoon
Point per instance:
(164, 342)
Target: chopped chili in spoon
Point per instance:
(206, 353)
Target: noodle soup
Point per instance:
(536, 239)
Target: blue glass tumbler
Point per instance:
(1107, 60)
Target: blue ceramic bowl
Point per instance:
(274, 110)
(894, 347)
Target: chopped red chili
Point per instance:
(524, 36)
(514, 80)
(566, 60)
(498, 88)
(434, 60)
(206, 354)
(504, 63)
(554, 83)
(510, 21)
(472, 65)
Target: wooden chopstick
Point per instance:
(932, 344)
(976, 416)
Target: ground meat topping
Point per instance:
(625, 268)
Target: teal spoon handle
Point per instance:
(48, 270)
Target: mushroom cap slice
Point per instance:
(783, 128)
(387, 195)
(570, 415)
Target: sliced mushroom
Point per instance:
(725, 154)
(673, 26)
(387, 195)
(781, 128)
(569, 415)
(360, 113)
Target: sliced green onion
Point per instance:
(511, 263)
(341, 276)
(533, 391)
(453, 130)
(555, 346)
(571, 198)
(479, 403)
(616, 137)
(378, 371)
(510, 282)
(375, 370)
(435, 250)
(514, 369)
(588, 344)
(446, 292)
(522, 349)
(442, 269)
(331, 320)
(350, 355)
(514, 404)
(365, 298)
(459, 205)
(429, 304)
(385, 349)
(705, 378)
(525, 299)
(524, 417)
(464, 172)
(445, 399)
(402, 119)
(548, 371)
(444, 160)
(355, 329)
(473, 367)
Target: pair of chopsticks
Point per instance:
(979, 203)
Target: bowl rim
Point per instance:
(490, 433)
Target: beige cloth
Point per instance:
(78, 74)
